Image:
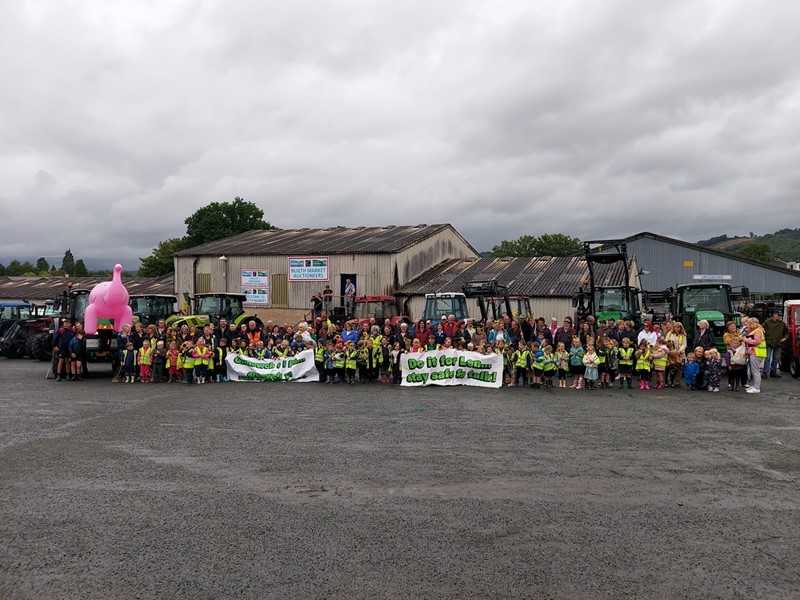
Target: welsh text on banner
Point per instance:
(292, 368)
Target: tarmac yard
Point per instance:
(287, 490)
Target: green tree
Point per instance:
(80, 269)
(42, 264)
(68, 262)
(160, 262)
(17, 269)
(522, 246)
(2, 269)
(14, 268)
(548, 244)
(223, 219)
(52, 268)
(756, 251)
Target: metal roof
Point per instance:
(712, 251)
(559, 276)
(329, 240)
(47, 288)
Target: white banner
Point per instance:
(452, 367)
(292, 368)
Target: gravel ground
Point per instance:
(280, 490)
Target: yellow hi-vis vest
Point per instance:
(643, 362)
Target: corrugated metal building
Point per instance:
(379, 260)
(40, 289)
(667, 262)
(549, 281)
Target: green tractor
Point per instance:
(151, 308)
(711, 301)
(210, 308)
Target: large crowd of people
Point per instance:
(535, 353)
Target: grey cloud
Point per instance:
(581, 118)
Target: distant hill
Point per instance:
(783, 245)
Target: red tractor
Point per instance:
(791, 349)
(379, 308)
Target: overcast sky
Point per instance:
(595, 119)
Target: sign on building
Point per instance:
(711, 277)
(308, 268)
(255, 285)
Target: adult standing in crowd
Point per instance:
(704, 336)
(421, 332)
(757, 346)
(316, 304)
(776, 332)
(349, 296)
(327, 298)
(648, 333)
(564, 334)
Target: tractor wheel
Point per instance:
(39, 347)
(794, 366)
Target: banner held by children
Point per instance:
(452, 367)
(299, 367)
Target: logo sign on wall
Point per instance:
(255, 285)
(308, 268)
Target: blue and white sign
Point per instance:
(308, 268)
(255, 285)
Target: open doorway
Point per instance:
(347, 302)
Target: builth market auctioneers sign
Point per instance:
(308, 268)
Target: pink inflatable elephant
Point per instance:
(108, 300)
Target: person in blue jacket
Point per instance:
(61, 339)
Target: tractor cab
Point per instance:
(445, 303)
(791, 348)
(153, 307)
(705, 301)
(379, 308)
(15, 310)
(218, 306)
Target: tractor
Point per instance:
(151, 308)
(26, 329)
(790, 356)
(445, 303)
(710, 301)
(100, 347)
(379, 308)
(607, 301)
(210, 308)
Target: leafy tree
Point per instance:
(160, 262)
(52, 268)
(756, 251)
(42, 264)
(523, 246)
(223, 219)
(2, 269)
(17, 269)
(14, 268)
(548, 244)
(80, 269)
(68, 262)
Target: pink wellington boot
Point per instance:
(647, 385)
(580, 384)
